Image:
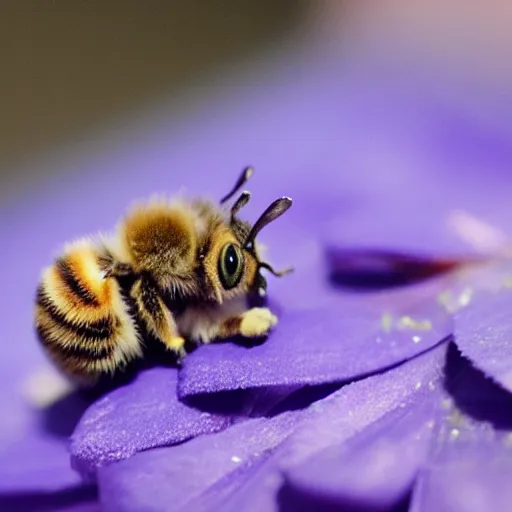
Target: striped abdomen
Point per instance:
(81, 318)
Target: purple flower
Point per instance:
(297, 435)
(393, 395)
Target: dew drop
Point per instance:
(454, 433)
(236, 459)
(465, 297)
(416, 339)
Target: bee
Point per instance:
(173, 270)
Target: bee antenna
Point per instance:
(277, 273)
(275, 210)
(242, 179)
(240, 202)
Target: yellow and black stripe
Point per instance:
(81, 318)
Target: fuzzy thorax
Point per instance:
(161, 240)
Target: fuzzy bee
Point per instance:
(173, 271)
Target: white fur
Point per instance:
(129, 342)
(202, 324)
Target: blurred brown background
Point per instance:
(69, 66)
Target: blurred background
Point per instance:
(71, 69)
(76, 73)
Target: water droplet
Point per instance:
(418, 385)
(465, 297)
(416, 339)
(454, 433)
(431, 385)
(236, 459)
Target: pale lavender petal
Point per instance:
(401, 233)
(483, 332)
(398, 235)
(477, 481)
(314, 347)
(241, 467)
(444, 222)
(376, 469)
(137, 417)
(336, 420)
(469, 468)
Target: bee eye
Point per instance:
(231, 265)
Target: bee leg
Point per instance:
(253, 323)
(116, 269)
(156, 315)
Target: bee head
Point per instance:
(238, 261)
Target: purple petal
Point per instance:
(68, 499)
(483, 332)
(154, 479)
(376, 469)
(314, 347)
(469, 467)
(241, 467)
(336, 420)
(396, 229)
(35, 472)
(443, 222)
(475, 481)
(136, 417)
(37, 462)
